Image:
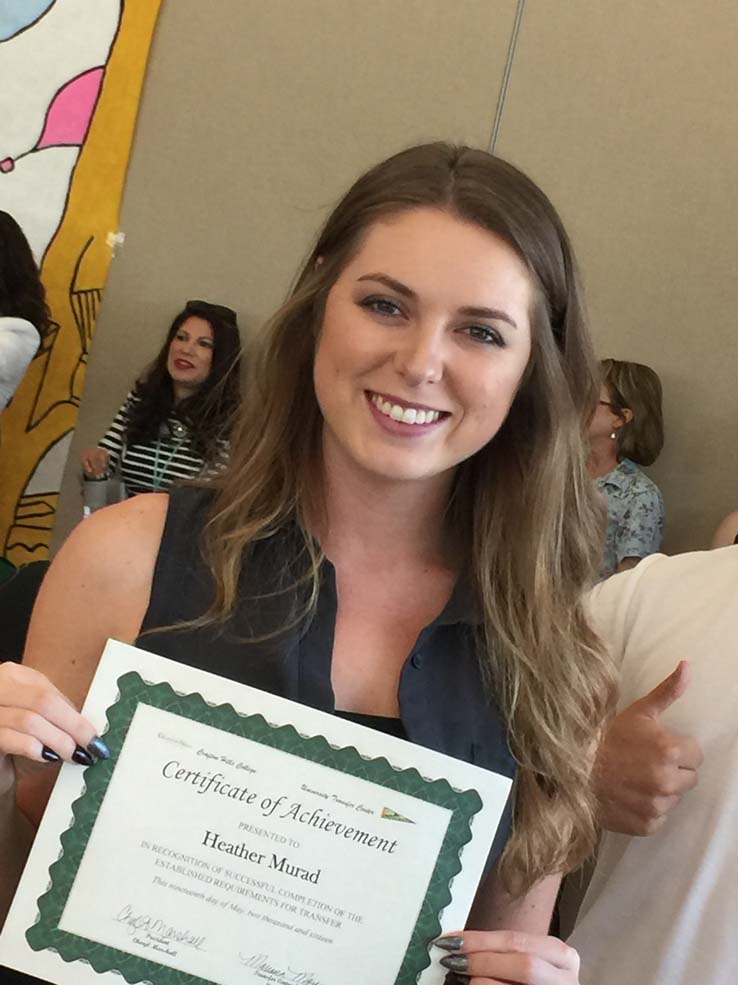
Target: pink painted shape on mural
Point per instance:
(71, 110)
(7, 164)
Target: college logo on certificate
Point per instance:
(237, 838)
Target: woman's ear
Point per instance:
(626, 415)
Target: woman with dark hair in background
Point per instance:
(403, 536)
(24, 317)
(174, 424)
(627, 430)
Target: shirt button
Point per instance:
(417, 661)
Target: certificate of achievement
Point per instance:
(238, 838)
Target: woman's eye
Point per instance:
(485, 334)
(381, 306)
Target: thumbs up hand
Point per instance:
(643, 768)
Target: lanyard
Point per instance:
(158, 471)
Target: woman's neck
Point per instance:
(602, 457)
(373, 521)
(182, 391)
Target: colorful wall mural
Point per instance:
(71, 73)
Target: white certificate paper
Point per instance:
(239, 838)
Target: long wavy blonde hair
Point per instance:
(524, 506)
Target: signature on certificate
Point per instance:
(157, 929)
(282, 976)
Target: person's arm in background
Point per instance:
(106, 454)
(727, 533)
(641, 529)
(19, 342)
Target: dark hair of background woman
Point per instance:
(22, 294)
(209, 411)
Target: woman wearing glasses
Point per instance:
(174, 424)
(627, 430)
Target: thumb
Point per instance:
(666, 693)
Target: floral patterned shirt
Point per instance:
(635, 515)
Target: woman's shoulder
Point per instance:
(118, 539)
(97, 587)
(19, 326)
(727, 531)
(637, 479)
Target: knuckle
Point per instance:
(652, 825)
(659, 779)
(10, 673)
(27, 721)
(668, 750)
(571, 957)
(46, 704)
(530, 967)
(516, 941)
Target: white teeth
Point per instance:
(408, 415)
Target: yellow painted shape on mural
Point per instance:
(44, 408)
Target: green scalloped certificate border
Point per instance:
(133, 690)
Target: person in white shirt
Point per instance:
(662, 910)
(24, 317)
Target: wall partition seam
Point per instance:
(506, 74)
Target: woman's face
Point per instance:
(425, 339)
(603, 422)
(190, 356)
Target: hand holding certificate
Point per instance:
(237, 837)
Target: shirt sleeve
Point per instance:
(641, 526)
(114, 439)
(610, 604)
(19, 342)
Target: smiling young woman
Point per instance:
(404, 533)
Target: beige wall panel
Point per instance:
(626, 113)
(255, 117)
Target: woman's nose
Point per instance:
(420, 355)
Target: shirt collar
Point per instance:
(620, 475)
(462, 607)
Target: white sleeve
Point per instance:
(19, 342)
(611, 609)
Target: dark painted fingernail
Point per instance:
(456, 962)
(82, 757)
(449, 943)
(97, 748)
(50, 756)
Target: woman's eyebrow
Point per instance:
(472, 311)
(396, 285)
(495, 313)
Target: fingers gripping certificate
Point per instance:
(238, 838)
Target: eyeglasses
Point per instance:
(207, 307)
(605, 403)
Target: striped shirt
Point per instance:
(155, 465)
